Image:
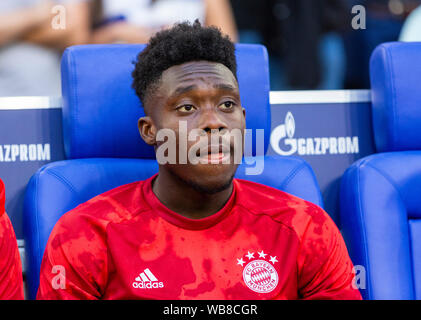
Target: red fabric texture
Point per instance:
(11, 281)
(263, 244)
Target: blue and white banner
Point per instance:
(329, 129)
(30, 137)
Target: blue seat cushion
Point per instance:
(380, 212)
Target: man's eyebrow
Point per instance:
(222, 86)
(225, 86)
(181, 90)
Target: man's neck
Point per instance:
(185, 200)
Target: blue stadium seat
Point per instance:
(381, 194)
(104, 149)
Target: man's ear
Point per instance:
(147, 130)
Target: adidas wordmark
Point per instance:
(147, 280)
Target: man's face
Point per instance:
(203, 95)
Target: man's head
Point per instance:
(187, 75)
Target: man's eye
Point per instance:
(227, 105)
(186, 108)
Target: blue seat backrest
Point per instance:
(381, 194)
(98, 98)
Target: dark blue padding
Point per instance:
(61, 186)
(96, 81)
(395, 72)
(380, 198)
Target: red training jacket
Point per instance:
(263, 244)
(11, 281)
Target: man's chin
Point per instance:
(211, 187)
(205, 179)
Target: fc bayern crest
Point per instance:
(258, 274)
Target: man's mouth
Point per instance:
(215, 153)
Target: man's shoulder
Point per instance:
(283, 208)
(113, 206)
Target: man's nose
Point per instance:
(211, 120)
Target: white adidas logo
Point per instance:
(146, 280)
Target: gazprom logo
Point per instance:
(283, 142)
(25, 152)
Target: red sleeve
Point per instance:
(74, 266)
(11, 280)
(325, 269)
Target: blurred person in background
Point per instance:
(11, 280)
(30, 47)
(411, 30)
(384, 21)
(135, 21)
(303, 39)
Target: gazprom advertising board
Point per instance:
(329, 129)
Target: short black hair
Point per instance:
(182, 43)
